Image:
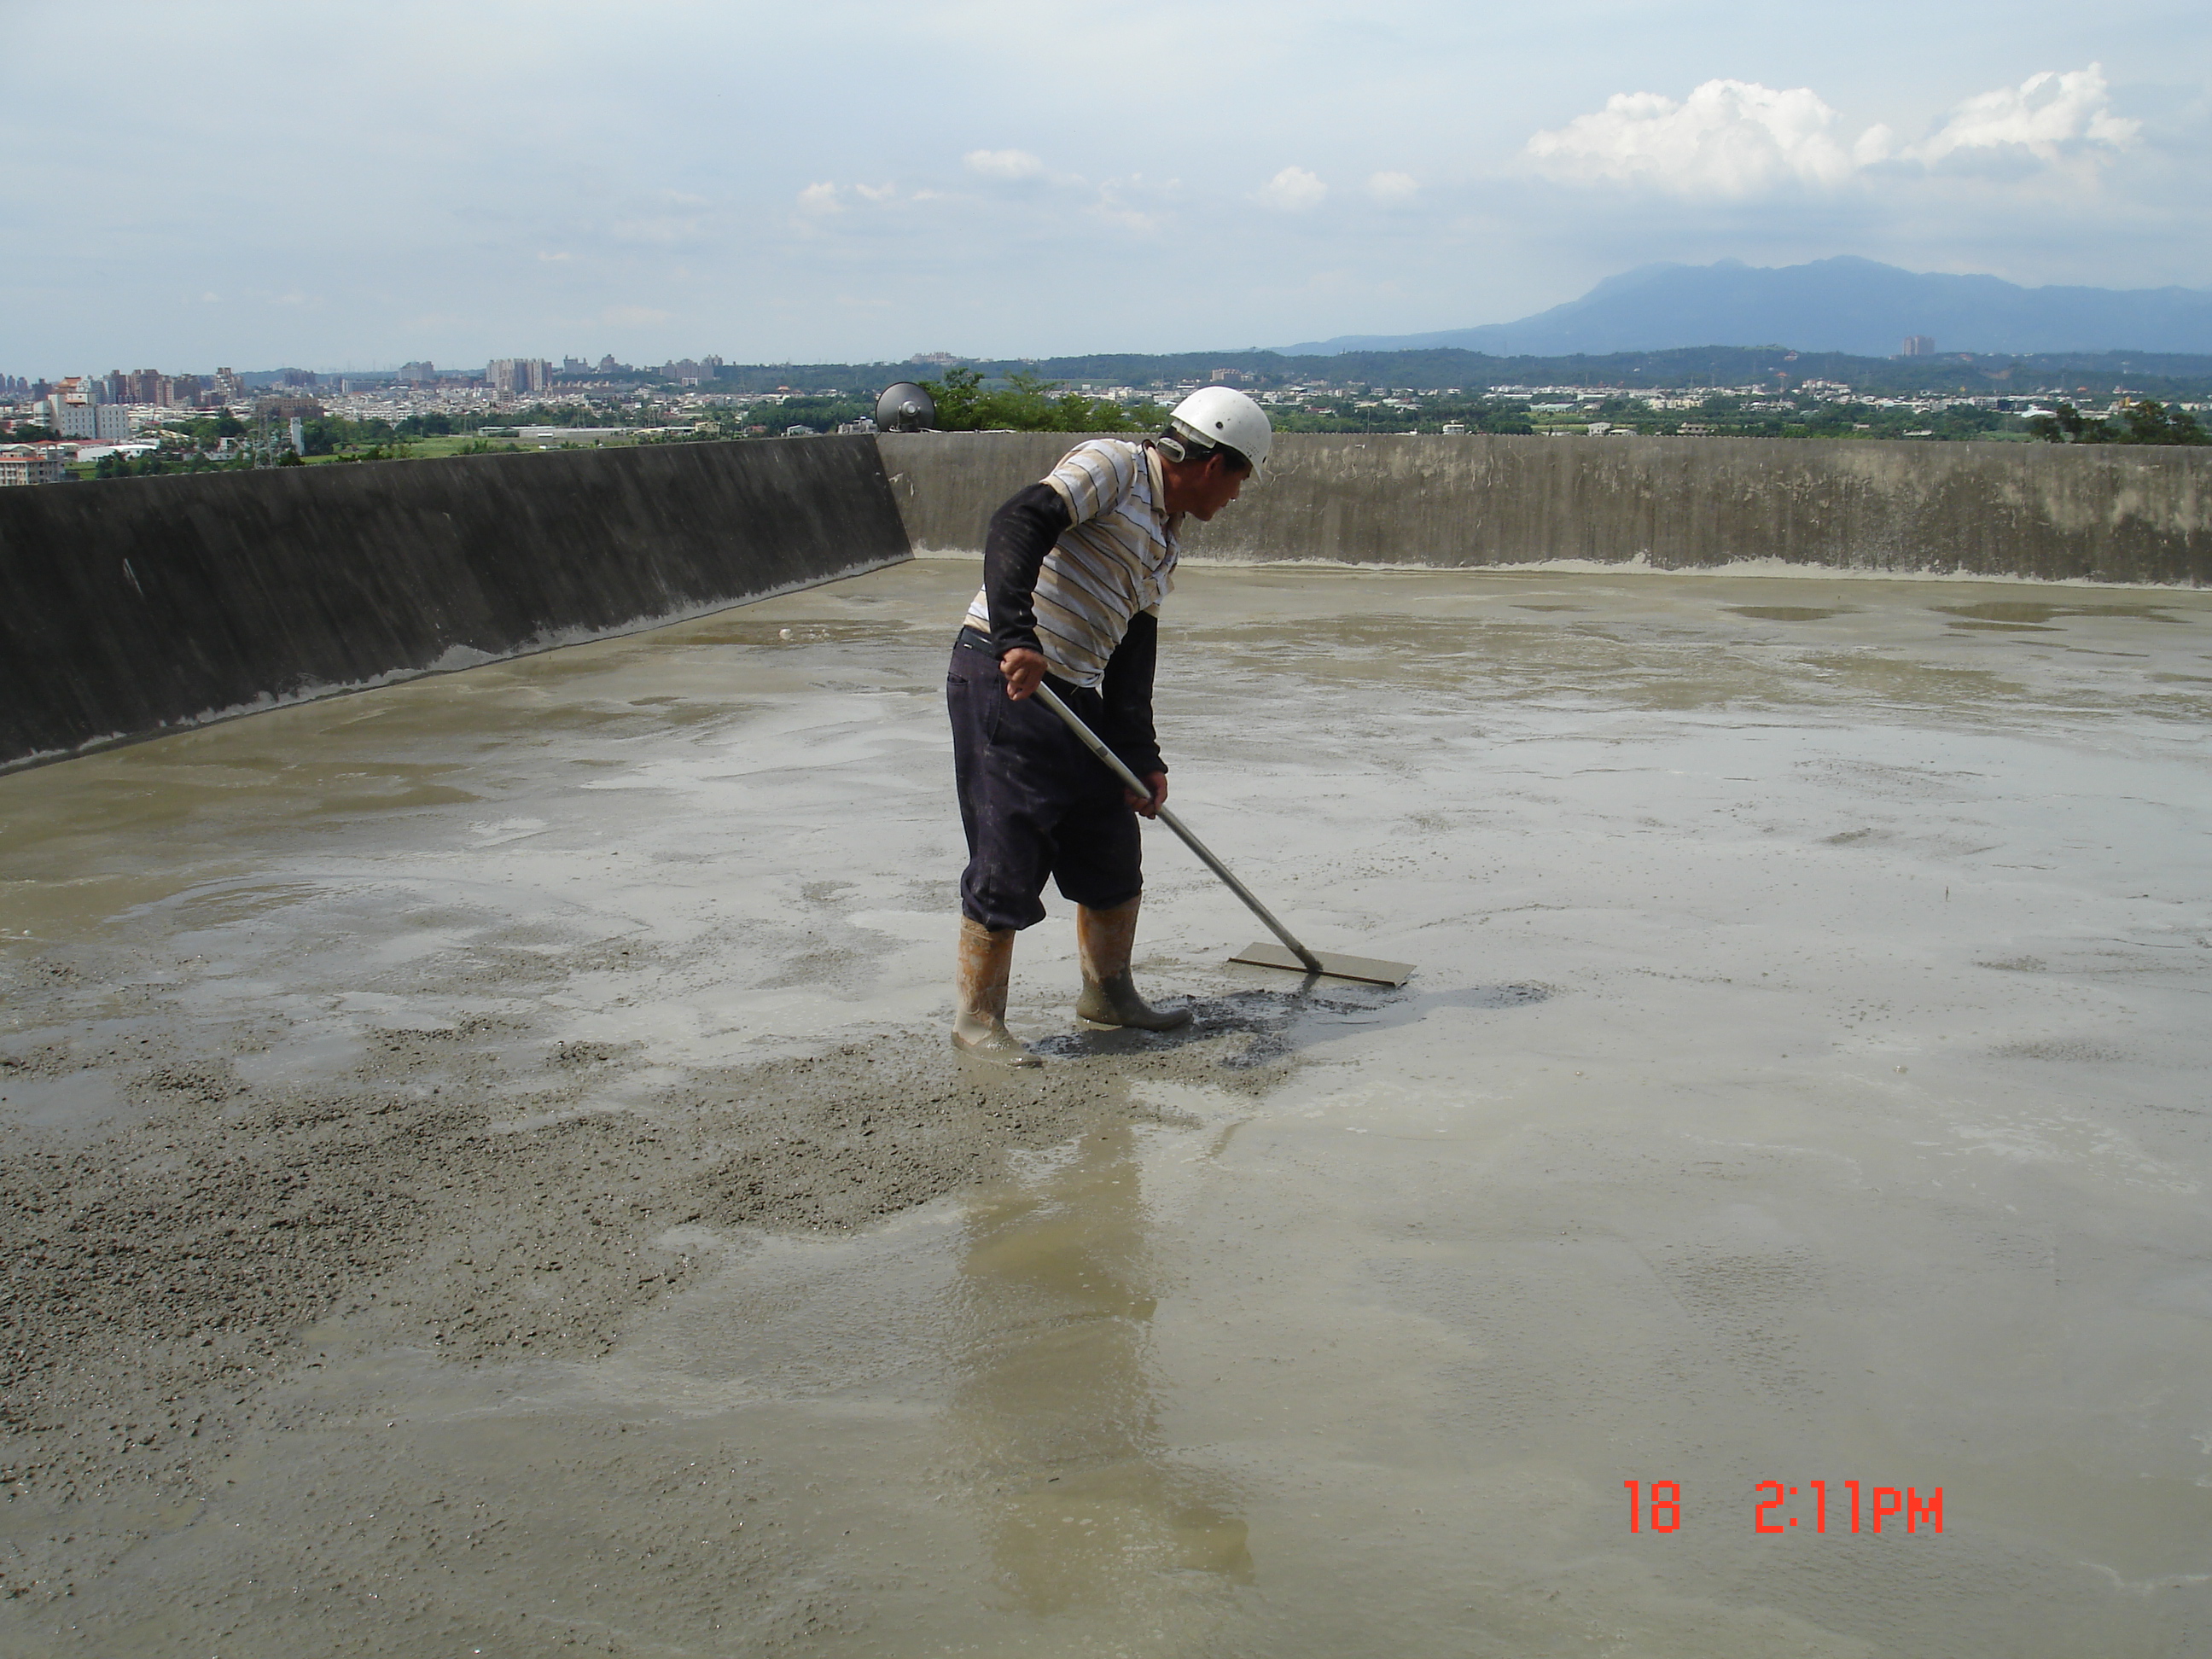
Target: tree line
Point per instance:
(2148, 422)
(1029, 403)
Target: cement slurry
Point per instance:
(484, 1173)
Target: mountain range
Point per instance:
(1843, 304)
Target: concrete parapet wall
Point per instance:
(134, 606)
(2015, 509)
(947, 484)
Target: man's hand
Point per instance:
(1023, 670)
(1149, 808)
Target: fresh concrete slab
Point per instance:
(485, 1172)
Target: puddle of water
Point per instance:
(73, 1103)
(1786, 612)
(2036, 612)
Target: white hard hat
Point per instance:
(1222, 415)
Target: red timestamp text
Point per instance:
(1818, 1506)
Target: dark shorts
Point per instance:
(1034, 802)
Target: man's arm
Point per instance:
(1021, 532)
(1127, 690)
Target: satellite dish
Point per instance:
(905, 407)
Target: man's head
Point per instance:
(1216, 440)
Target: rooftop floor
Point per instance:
(484, 1168)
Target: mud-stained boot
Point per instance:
(1104, 939)
(986, 962)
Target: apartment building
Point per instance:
(31, 466)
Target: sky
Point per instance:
(332, 185)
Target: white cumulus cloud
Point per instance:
(1293, 191)
(1003, 164)
(1739, 138)
(1393, 186)
(2044, 115)
(1727, 138)
(820, 199)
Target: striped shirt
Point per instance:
(1116, 558)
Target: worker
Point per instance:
(1074, 569)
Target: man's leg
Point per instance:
(1010, 848)
(1100, 868)
(1104, 939)
(979, 1021)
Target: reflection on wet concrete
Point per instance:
(1085, 1503)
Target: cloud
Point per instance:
(1740, 139)
(1292, 190)
(1003, 164)
(2045, 115)
(1393, 186)
(1728, 138)
(828, 198)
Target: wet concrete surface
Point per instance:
(485, 1175)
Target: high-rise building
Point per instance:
(511, 375)
(420, 374)
(1917, 345)
(229, 387)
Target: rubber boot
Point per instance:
(986, 962)
(1104, 939)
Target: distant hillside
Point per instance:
(1434, 367)
(1842, 305)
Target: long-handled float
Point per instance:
(1289, 954)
